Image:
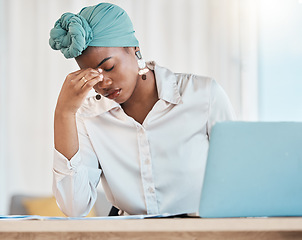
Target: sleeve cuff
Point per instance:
(64, 166)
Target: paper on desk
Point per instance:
(37, 217)
(28, 217)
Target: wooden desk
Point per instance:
(194, 228)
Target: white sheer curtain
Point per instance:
(3, 109)
(205, 37)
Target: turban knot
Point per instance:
(71, 34)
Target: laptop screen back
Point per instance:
(254, 169)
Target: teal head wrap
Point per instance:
(102, 25)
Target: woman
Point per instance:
(145, 133)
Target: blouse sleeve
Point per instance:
(220, 107)
(75, 181)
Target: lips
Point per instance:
(113, 93)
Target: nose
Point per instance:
(104, 84)
(107, 82)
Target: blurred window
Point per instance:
(280, 60)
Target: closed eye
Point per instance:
(108, 70)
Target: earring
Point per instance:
(141, 65)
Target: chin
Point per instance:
(121, 99)
(118, 101)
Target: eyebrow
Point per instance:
(104, 60)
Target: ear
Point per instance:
(131, 50)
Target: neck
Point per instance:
(143, 98)
(145, 91)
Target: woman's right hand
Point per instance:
(75, 89)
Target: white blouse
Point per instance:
(151, 168)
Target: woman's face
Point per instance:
(120, 70)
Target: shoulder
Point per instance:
(194, 83)
(199, 80)
(188, 85)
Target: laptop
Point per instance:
(254, 169)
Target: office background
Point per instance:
(253, 48)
